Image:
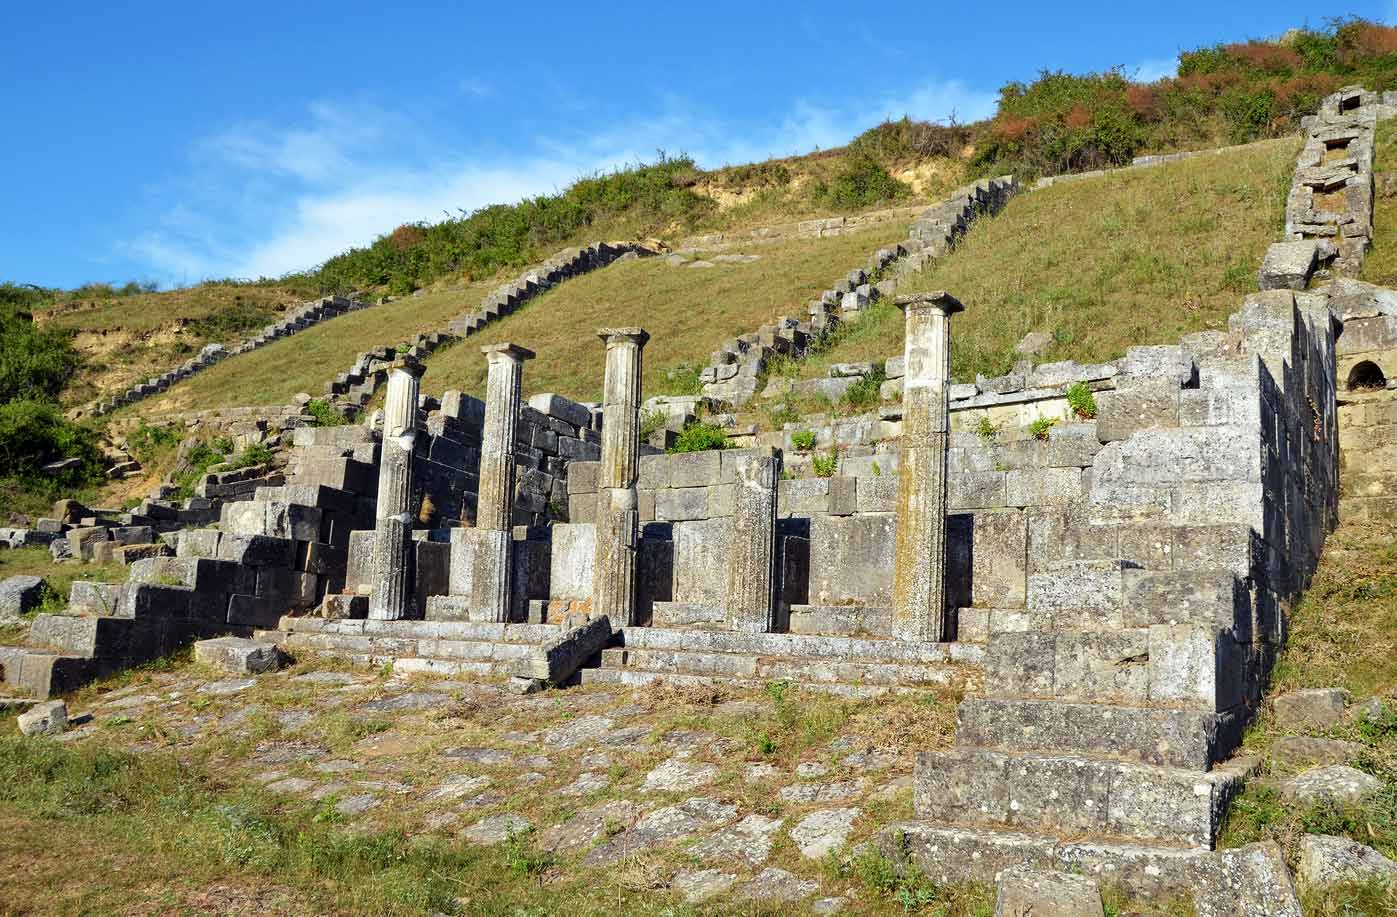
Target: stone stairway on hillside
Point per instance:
(738, 365)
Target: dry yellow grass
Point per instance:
(1135, 257)
(689, 312)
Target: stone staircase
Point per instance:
(737, 366)
(437, 647)
(847, 665)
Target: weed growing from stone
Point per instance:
(1081, 400)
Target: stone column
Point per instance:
(752, 555)
(392, 593)
(618, 516)
(919, 577)
(491, 564)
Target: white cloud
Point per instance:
(1157, 68)
(262, 199)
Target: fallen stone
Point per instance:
(1314, 708)
(556, 660)
(678, 775)
(749, 840)
(48, 718)
(586, 784)
(238, 655)
(293, 786)
(1251, 881)
(588, 826)
(1335, 783)
(459, 786)
(227, 686)
(496, 829)
(576, 732)
(1306, 750)
(1033, 344)
(1025, 892)
(778, 885)
(1371, 710)
(1326, 860)
(823, 832)
(521, 685)
(1288, 265)
(20, 595)
(356, 804)
(700, 885)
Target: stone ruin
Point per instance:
(1110, 599)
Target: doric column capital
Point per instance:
(936, 301)
(615, 336)
(507, 351)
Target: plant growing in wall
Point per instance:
(803, 440)
(987, 429)
(700, 437)
(1040, 427)
(825, 465)
(1081, 400)
(651, 421)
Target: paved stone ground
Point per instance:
(710, 794)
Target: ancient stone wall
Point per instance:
(1367, 382)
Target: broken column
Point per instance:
(490, 576)
(752, 556)
(392, 594)
(919, 577)
(618, 516)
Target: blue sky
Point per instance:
(181, 141)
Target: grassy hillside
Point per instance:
(687, 311)
(304, 362)
(1380, 266)
(1134, 257)
(1342, 635)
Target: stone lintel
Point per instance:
(508, 351)
(412, 367)
(938, 300)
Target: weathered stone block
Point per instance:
(1148, 402)
(238, 655)
(1025, 892)
(571, 561)
(1288, 265)
(44, 719)
(1042, 487)
(695, 469)
(20, 595)
(681, 504)
(999, 559)
(556, 660)
(851, 559)
(1315, 708)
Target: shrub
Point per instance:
(34, 363)
(803, 440)
(861, 182)
(866, 392)
(324, 413)
(1081, 400)
(896, 141)
(255, 454)
(33, 434)
(825, 465)
(1040, 427)
(987, 429)
(700, 437)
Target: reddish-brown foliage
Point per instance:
(1265, 56)
(1142, 100)
(1209, 83)
(1078, 117)
(406, 236)
(1012, 130)
(1303, 90)
(1367, 39)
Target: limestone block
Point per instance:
(44, 719)
(1150, 402)
(83, 539)
(19, 595)
(1026, 892)
(1335, 783)
(1196, 667)
(571, 561)
(1326, 860)
(561, 408)
(556, 660)
(803, 497)
(999, 558)
(700, 560)
(975, 489)
(875, 494)
(90, 598)
(238, 655)
(1217, 599)
(851, 559)
(1042, 487)
(1315, 708)
(681, 504)
(1288, 265)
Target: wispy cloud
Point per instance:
(263, 199)
(1156, 68)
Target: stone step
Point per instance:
(801, 646)
(42, 674)
(439, 647)
(636, 678)
(1074, 795)
(780, 668)
(1176, 738)
(1222, 881)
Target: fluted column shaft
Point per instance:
(618, 516)
(919, 581)
(492, 572)
(392, 593)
